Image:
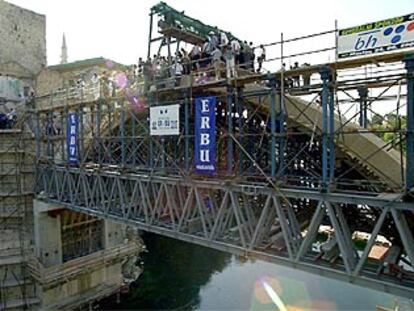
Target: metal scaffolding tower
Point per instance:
(16, 193)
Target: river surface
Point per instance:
(183, 276)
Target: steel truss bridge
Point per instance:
(289, 162)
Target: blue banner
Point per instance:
(205, 135)
(72, 138)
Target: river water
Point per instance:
(183, 276)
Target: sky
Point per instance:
(118, 30)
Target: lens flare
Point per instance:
(109, 64)
(260, 291)
(121, 80)
(136, 102)
(272, 294)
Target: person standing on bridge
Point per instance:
(224, 41)
(206, 50)
(296, 78)
(243, 55)
(185, 59)
(261, 57)
(195, 56)
(229, 56)
(235, 46)
(140, 67)
(216, 58)
(213, 40)
(95, 86)
(306, 76)
(250, 52)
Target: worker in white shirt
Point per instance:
(236, 47)
(229, 56)
(178, 69)
(195, 54)
(261, 57)
(224, 41)
(216, 59)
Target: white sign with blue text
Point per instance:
(378, 37)
(164, 120)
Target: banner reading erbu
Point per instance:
(205, 135)
(382, 36)
(72, 137)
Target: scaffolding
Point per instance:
(17, 289)
(296, 149)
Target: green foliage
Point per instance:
(388, 128)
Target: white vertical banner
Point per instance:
(165, 120)
(378, 37)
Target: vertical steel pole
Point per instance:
(176, 53)
(336, 40)
(281, 116)
(65, 151)
(150, 35)
(409, 171)
(325, 75)
(186, 132)
(98, 132)
(363, 94)
(239, 108)
(93, 131)
(151, 147)
(49, 134)
(122, 130)
(111, 115)
(162, 152)
(63, 117)
(332, 133)
(134, 138)
(272, 95)
(230, 129)
(332, 167)
(81, 134)
(281, 132)
(38, 137)
(169, 54)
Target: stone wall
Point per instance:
(50, 80)
(22, 37)
(66, 285)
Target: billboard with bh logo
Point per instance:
(378, 37)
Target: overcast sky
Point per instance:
(119, 29)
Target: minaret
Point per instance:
(64, 55)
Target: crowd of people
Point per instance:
(295, 81)
(216, 53)
(204, 61)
